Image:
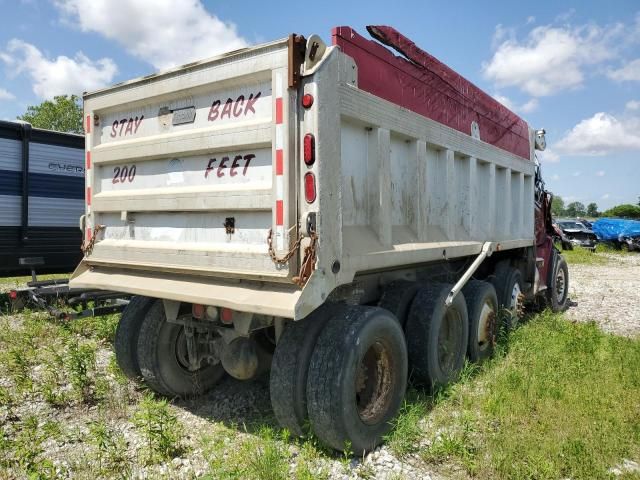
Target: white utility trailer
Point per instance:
(261, 204)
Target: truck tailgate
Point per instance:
(188, 170)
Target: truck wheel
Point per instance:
(357, 378)
(482, 307)
(508, 285)
(437, 336)
(558, 291)
(125, 342)
(289, 368)
(397, 297)
(162, 355)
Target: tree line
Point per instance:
(577, 209)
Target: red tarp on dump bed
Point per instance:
(428, 87)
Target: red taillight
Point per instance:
(197, 311)
(309, 149)
(226, 315)
(307, 100)
(310, 187)
(13, 294)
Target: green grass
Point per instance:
(559, 400)
(8, 283)
(583, 256)
(564, 402)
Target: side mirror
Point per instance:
(541, 141)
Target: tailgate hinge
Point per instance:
(297, 46)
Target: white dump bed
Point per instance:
(190, 170)
(173, 156)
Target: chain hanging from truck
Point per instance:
(88, 247)
(308, 262)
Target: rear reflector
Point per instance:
(226, 315)
(310, 187)
(309, 149)
(307, 100)
(13, 294)
(197, 311)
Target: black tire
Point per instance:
(482, 308)
(508, 284)
(125, 342)
(437, 360)
(397, 297)
(159, 346)
(558, 290)
(357, 378)
(289, 368)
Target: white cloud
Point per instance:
(627, 73)
(164, 33)
(566, 16)
(551, 58)
(633, 105)
(576, 174)
(59, 76)
(605, 196)
(6, 95)
(600, 173)
(530, 19)
(601, 134)
(527, 107)
(555, 177)
(548, 156)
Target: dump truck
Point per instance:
(337, 214)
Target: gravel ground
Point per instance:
(607, 294)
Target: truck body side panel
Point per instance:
(396, 189)
(430, 88)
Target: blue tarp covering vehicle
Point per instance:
(626, 232)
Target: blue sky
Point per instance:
(572, 67)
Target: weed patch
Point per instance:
(562, 403)
(160, 428)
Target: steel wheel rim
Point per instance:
(514, 306)
(560, 285)
(373, 383)
(486, 323)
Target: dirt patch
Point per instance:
(608, 294)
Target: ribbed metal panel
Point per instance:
(10, 155)
(9, 211)
(54, 212)
(56, 160)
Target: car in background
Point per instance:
(584, 222)
(577, 233)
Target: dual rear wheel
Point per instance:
(149, 347)
(342, 372)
